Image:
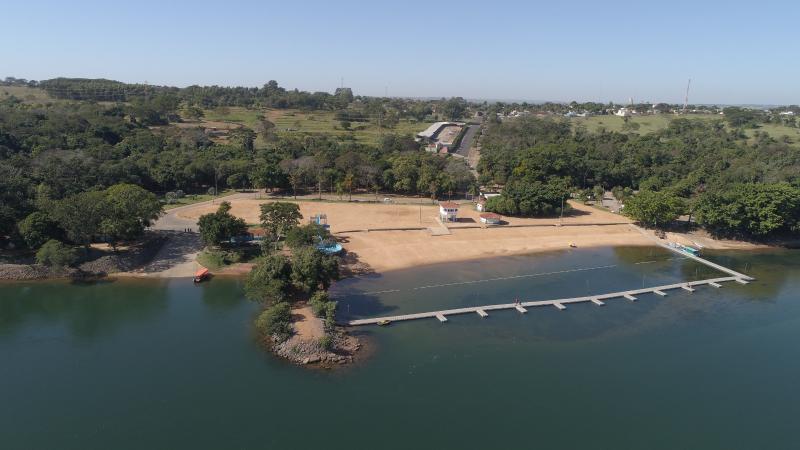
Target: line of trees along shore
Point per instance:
(730, 185)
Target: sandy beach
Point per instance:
(381, 237)
(372, 231)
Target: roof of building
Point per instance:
(431, 131)
(490, 216)
(449, 205)
(258, 231)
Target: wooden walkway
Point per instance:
(558, 303)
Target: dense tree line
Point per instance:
(736, 187)
(270, 95)
(68, 148)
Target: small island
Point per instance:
(289, 277)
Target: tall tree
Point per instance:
(220, 226)
(279, 217)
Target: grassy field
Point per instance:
(649, 124)
(192, 199)
(26, 94)
(316, 122)
(777, 132)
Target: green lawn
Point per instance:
(777, 132)
(649, 124)
(191, 199)
(288, 122)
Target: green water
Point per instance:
(166, 364)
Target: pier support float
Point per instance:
(661, 293)
(630, 297)
(686, 287)
(597, 302)
(559, 306)
(716, 285)
(481, 313)
(441, 318)
(521, 309)
(742, 281)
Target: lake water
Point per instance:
(166, 364)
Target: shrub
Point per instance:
(55, 254)
(326, 342)
(318, 302)
(214, 259)
(330, 314)
(276, 321)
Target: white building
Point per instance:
(448, 211)
(623, 112)
(490, 219)
(481, 205)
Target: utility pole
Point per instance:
(216, 187)
(686, 99)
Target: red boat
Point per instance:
(200, 275)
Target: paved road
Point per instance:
(466, 141)
(171, 221)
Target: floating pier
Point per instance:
(741, 278)
(558, 303)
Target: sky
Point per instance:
(734, 52)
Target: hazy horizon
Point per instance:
(581, 51)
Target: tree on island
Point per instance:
(220, 226)
(268, 281)
(654, 208)
(278, 218)
(312, 270)
(306, 235)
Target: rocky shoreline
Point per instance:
(305, 352)
(101, 266)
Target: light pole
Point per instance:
(216, 188)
